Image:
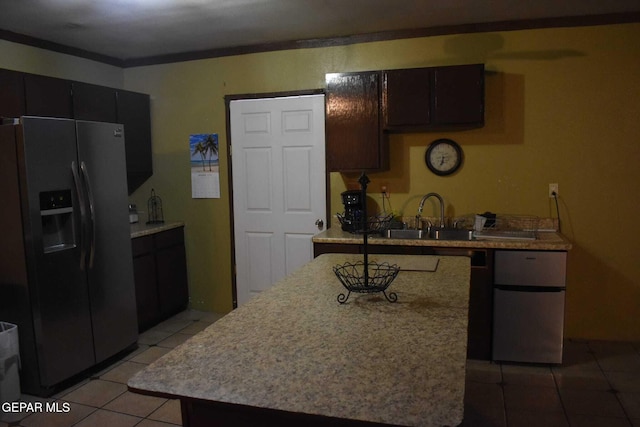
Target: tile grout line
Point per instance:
(562, 402)
(611, 390)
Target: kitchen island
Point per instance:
(294, 356)
(481, 252)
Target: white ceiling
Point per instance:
(129, 29)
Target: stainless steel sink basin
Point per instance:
(406, 234)
(434, 234)
(451, 234)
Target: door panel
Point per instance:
(62, 320)
(279, 189)
(260, 273)
(111, 287)
(297, 185)
(298, 251)
(528, 326)
(257, 186)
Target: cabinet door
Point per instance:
(458, 95)
(171, 261)
(148, 306)
(133, 111)
(144, 272)
(11, 94)
(353, 132)
(406, 98)
(47, 96)
(92, 102)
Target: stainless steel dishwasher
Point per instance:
(528, 306)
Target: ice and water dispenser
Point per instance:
(56, 212)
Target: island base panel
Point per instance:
(196, 413)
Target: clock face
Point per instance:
(443, 157)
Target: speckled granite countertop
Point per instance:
(295, 348)
(546, 241)
(140, 229)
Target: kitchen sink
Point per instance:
(405, 234)
(433, 234)
(451, 234)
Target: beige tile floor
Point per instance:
(598, 385)
(103, 399)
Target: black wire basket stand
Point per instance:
(364, 276)
(373, 225)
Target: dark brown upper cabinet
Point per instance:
(436, 98)
(458, 95)
(134, 112)
(35, 95)
(93, 102)
(47, 96)
(405, 98)
(354, 137)
(11, 94)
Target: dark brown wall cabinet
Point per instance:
(480, 288)
(354, 139)
(362, 107)
(438, 98)
(160, 273)
(34, 95)
(47, 96)
(11, 94)
(134, 112)
(93, 102)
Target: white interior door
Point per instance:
(279, 187)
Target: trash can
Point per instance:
(9, 363)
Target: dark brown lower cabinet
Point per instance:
(480, 290)
(160, 272)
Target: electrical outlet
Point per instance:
(383, 189)
(553, 188)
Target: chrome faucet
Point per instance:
(424, 199)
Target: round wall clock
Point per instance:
(443, 157)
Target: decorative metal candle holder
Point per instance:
(154, 209)
(363, 276)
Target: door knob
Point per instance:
(320, 224)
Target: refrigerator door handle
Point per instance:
(83, 214)
(527, 288)
(92, 217)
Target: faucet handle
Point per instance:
(425, 224)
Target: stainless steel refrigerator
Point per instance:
(528, 306)
(66, 274)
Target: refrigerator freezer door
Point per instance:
(531, 268)
(59, 296)
(528, 326)
(101, 154)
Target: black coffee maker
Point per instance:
(352, 219)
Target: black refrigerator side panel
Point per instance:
(101, 152)
(57, 284)
(14, 291)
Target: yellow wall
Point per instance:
(563, 105)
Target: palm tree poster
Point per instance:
(205, 177)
